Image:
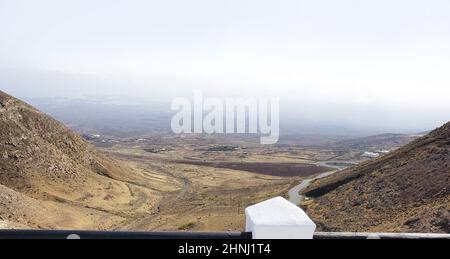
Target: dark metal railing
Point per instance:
(74, 234)
(356, 235)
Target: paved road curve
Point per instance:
(294, 193)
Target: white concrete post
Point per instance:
(278, 218)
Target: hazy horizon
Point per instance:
(380, 66)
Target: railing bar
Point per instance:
(62, 234)
(361, 235)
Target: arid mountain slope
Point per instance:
(46, 169)
(406, 190)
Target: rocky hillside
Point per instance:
(407, 190)
(51, 178)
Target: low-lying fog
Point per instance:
(127, 117)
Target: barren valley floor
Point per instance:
(201, 188)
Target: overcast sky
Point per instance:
(372, 63)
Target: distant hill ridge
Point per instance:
(386, 141)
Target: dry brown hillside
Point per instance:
(407, 190)
(51, 178)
